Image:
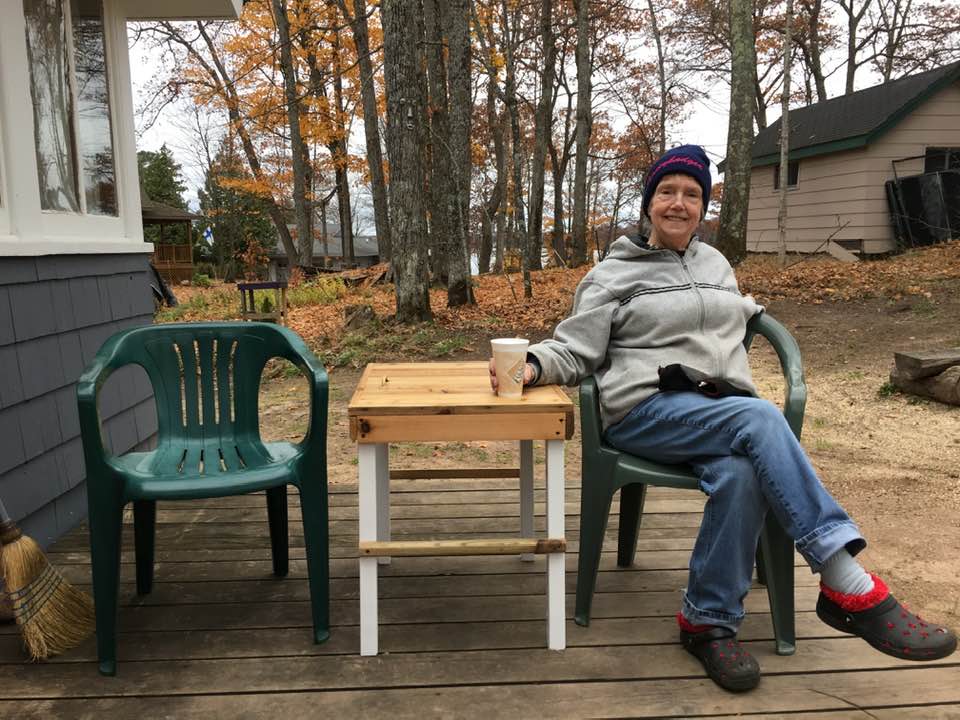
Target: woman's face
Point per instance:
(675, 211)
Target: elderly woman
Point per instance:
(667, 309)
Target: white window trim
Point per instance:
(26, 229)
(4, 192)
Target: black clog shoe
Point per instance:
(886, 624)
(727, 663)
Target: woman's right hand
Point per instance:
(529, 373)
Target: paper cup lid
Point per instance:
(510, 343)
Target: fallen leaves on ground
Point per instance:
(502, 309)
(821, 278)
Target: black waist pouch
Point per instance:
(680, 378)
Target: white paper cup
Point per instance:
(509, 360)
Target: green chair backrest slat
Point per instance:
(206, 381)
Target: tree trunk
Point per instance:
(339, 151)
(457, 29)
(542, 129)
(732, 235)
(891, 30)
(559, 162)
(578, 254)
(557, 238)
(661, 77)
(491, 208)
(371, 118)
(784, 140)
(406, 138)
(486, 241)
(501, 226)
(760, 108)
(518, 219)
(614, 217)
(298, 149)
(439, 170)
(854, 17)
(813, 51)
(593, 194)
(337, 148)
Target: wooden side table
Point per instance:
(248, 303)
(452, 401)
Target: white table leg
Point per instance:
(369, 633)
(526, 494)
(383, 496)
(556, 590)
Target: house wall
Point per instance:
(67, 282)
(55, 312)
(846, 189)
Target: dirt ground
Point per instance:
(892, 460)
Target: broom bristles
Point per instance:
(53, 615)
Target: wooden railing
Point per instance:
(172, 254)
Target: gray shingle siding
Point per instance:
(55, 312)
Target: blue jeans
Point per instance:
(748, 461)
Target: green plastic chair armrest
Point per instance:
(107, 359)
(300, 355)
(788, 351)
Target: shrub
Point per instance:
(321, 291)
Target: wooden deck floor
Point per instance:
(460, 637)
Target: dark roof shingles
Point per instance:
(848, 116)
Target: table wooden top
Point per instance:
(445, 388)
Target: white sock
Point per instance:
(844, 574)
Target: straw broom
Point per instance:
(52, 614)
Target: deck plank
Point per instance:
(664, 698)
(461, 637)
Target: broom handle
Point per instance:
(8, 531)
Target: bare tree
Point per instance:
(732, 235)
(542, 131)
(203, 50)
(459, 84)
(336, 142)
(559, 161)
(368, 94)
(784, 139)
(811, 49)
(298, 148)
(449, 156)
(511, 35)
(438, 148)
(893, 27)
(578, 254)
(855, 11)
(661, 76)
(406, 138)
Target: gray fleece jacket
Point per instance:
(643, 308)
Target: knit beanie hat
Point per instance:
(690, 160)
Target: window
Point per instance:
(71, 108)
(793, 174)
(941, 158)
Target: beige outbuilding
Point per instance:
(843, 152)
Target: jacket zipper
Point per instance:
(696, 290)
(703, 310)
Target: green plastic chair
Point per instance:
(206, 380)
(606, 470)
